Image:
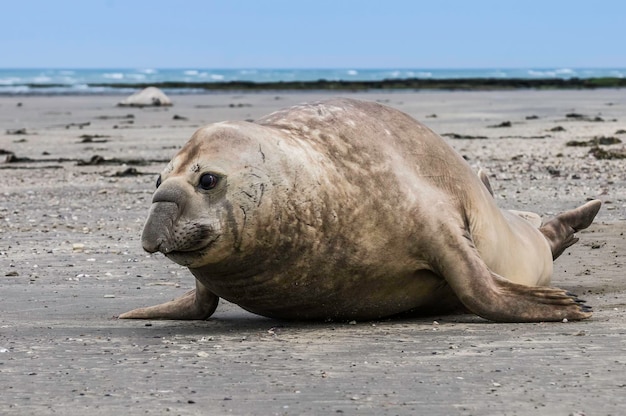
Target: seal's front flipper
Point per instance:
(505, 301)
(493, 297)
(560, 231)
(484, 178)
(197, 304)
(531, 217)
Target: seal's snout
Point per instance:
(149, 246)
(158, 226)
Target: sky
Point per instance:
(356, 34)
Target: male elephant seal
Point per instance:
(344, 209)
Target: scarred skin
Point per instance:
(346, 209)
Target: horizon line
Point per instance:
(356, 68)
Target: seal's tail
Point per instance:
(560, 231)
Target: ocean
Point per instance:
(113, 81)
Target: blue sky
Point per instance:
(312, 34)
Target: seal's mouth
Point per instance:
(165, 236)
(189, 257)
(190, 251)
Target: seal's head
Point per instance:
(206, 195)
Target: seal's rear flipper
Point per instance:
(560, 231)
(197, 304)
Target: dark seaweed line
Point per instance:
(387, 84)
(95, 160)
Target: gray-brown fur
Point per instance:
(346, 209)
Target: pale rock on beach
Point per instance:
(150, 96)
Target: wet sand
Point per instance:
(76, 188)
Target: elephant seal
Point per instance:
(345, 209)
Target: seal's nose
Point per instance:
(171, 190)
(158, 228)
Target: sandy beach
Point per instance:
(76, 178)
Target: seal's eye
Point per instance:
(208, 181)
(158, 181)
